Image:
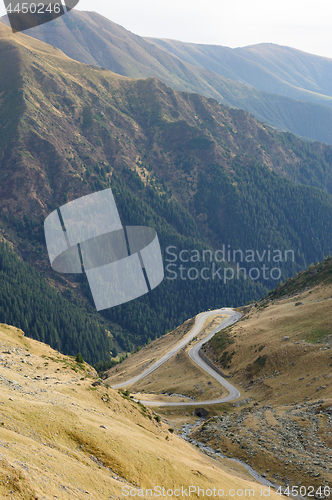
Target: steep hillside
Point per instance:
(63, 321)
(280, 355)
(66, 435)
(215, 72)
(283, 336)
(203, 176)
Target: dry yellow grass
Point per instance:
(295, 366)
(178, 376)
(53, 445)
(138, 362)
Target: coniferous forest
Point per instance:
(202, 175)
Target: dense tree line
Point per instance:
(256, 208)
(28, 302)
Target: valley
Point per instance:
(279, 357)
(65, 434)
(202, 175)
(219, 378)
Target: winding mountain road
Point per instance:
(232, 317)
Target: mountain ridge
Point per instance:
(93, 39)
(200, 174)
(265, 66)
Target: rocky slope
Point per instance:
(65, 435)
(290, 445)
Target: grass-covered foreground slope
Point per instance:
(64, 436)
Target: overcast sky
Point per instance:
(303, 24)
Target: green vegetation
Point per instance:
(267, 208)
(79, 358)
(219, 342)
(317, 335)
(261, 360)
(200, 174)
(28, 302)
(314, 275)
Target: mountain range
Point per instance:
(211, 179)
(202, 175)
(284, 87)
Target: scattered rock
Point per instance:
(96, 383)
(201, 412)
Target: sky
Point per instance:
(305, 24)
(302, 24)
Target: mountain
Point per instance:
(278, 356)
(273, 68)
(203, 176)
(66, 435)
(249, 78)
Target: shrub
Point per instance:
(79, 358)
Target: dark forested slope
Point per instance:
(202, 175)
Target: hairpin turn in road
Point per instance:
(232, 317)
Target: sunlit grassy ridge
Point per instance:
(61, 436)
(270, 81)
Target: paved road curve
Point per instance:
(233, 316)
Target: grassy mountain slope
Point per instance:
(63, 437)
(283, 336)
(93, 39)
(81, 130)
(266, 66)
(198, 173)
(279, 357)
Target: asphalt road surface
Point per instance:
(232, 317)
